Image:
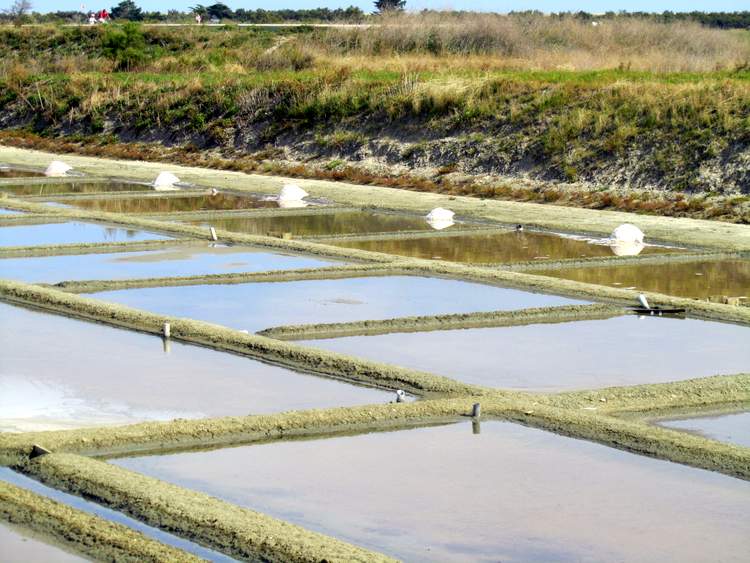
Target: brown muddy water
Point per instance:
(71, 232)
(170, 204)
(733, 428)
(623, 350)
(509, 493)
(264, 305)
(342, 223)
(57, 372)
(169, 261)
(20, 545)
(684, 279)
(15, 553)
(494, 248)
(7, 172)
(71, 187)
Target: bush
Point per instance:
(126, 46)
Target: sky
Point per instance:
(593, 6)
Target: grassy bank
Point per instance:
(636, 116)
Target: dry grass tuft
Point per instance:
(544, 43)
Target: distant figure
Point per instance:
(519, 228)
(92, 18)
(198, 19)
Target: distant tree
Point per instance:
(18, 10)
(127, 10)
(390, 5)
(199, 9)
(219, 11)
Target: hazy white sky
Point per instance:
(484, 5)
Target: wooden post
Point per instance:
(167, 330)
(213, 234)
(476, 410)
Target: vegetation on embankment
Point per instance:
(446, 108)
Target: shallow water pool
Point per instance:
(733, 428)
(683, 279)
(622, 350)
(168, 261)
(57, 372)
(493, 248)
(172, 203)
(319, 224)
(255, 306)
(510, 493)
(71, 232)
(71, 187)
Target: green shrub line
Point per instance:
(90, 535)
(518, 317)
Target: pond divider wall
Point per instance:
(89, 534)
(566, 313)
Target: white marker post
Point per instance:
(213, 234)
(167, 330)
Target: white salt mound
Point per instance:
(292, 192)
(292, 203)
(620, 248)
(627, 233)
(440, 224)
(165, 181)
(57, 168)
(440, 214)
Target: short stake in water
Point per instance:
(213, 234)
(167, 330)
(476, 427)
(476, 410)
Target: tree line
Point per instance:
(129, 10)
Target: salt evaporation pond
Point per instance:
(321, 224)
(70, 187)
(51, 552)
(71, 232)
(57, 372)
(492, 248)
(684, 279)
(169, 261)
(510, 493)
(623, 350)
(171, 204)
(733, 428)
(18, 544)
(255, 306)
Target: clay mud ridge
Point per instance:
(617, 417)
